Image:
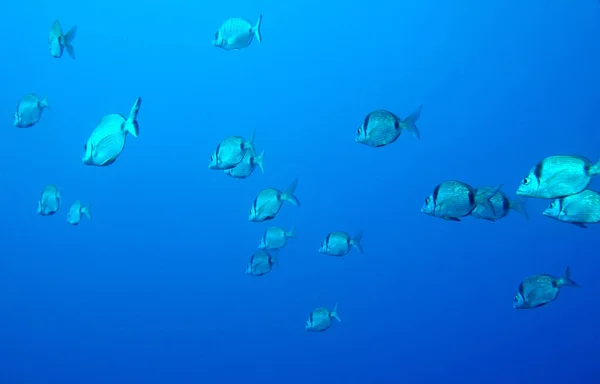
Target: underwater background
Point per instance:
(153, 288)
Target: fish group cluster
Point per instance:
(563, 179)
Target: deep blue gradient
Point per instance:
(153, 289)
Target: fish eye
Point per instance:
(427, 200)
(525, 181)
(217, 35)
(358, 131)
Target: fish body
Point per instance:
(339, 243)
(75, 212)
(454, 199)
(276, 238)
(268, 202)
(57, 41)
(558, 176)
(29, 110)
(237, 33)
(261, 263)
(321, 319)
(539, 290)
(230, 152)
(381, 127)
(49, 202)
(580, 209)
(107, 140)
(244, 168)
(500, 203)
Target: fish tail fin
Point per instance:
(68, 39)
(288, 195)
(595, 169)
(131, 125)
(86, 211)
(355, 242)
(334, 313)
(256, 29)
(292, 233)
(518, 205)
(44, 104)
(258, 160)
(410, 123)
(249, 145)
(566, 281)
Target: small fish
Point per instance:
(579, 209)
(320, 319)
(501, 206)
(230, 152)
(29, 110)
(74, 214)
(538, 290)
(276, 238)
(49, 202)
(244, 168)
(261, 263)
(453, 199)
(237, 33)
(382, 128)
(558, 176)
(339, 243)
(107, 140)
(57, 41)
(269, 201)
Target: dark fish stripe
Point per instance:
(396, 125)
(537, 172)
(366, 124)
(505, 204)
(327, 241)
(522, 290)
(217, 154)
(436, 193)
(471, 196)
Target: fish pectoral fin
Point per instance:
(452, 218)
(580, 225)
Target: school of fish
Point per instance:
(562, 179)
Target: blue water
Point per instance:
(153, 290)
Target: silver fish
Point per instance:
(269, 201)
(501, 205)
(57, 41)
(276, 238)
(558, 176)
(49, 202)
(237, 33)
(74, 214)
(244, 168)
(107, 140)
(29, 110)
(579, 209)
(538, 290)
(230, 152)
(320, 319)
(382, 128)
(339, 243)
(261, 263)
(453, 199)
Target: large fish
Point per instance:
(49, 202)
(29, 110)
(580, 209)
(538, 290)
(237, 33)
(57, 41)
(381, 127)
(268, 202)
(454, 199)
(107, 140)
(320, 319)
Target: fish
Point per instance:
(230, 152)
(539, 290)
(501, 206)
(381, 127)
(261, 263)
(107, 140)
(29, 110)
(453, 199)
(244, 168)
(339, 243)
(268, 202)
(276, 238)
(74, 214)
(57, 41)
(320, 319)
(558, 176)
(580, 209)
(237, 33)
(49, 202)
